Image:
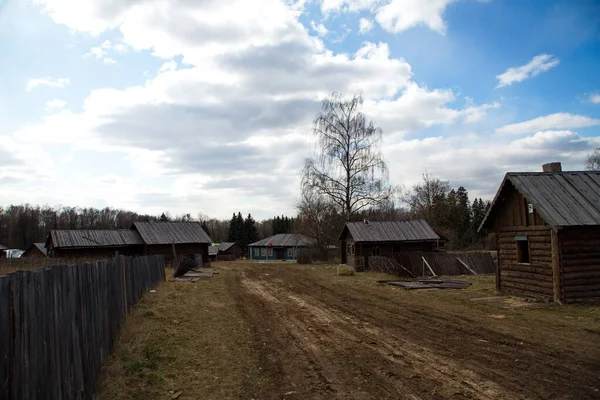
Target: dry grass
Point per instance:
(344, 270)
(187, 337)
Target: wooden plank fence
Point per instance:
(439, 263)
(58, 324)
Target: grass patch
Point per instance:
(187, 337)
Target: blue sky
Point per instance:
(206, 106)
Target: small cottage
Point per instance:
(284, 246)
(229, 251)
(547, 226)
(360, 240)
(36, 250)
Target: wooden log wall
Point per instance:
(533, 279)
(580, 265)
(58, 325)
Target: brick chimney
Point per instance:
(552, 167)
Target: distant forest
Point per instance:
(448, 210)
(23, 225)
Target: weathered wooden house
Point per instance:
(93, 243)
(229, 251)
(36, 250)
(169, 238)
(360, 240)
(283, 246)
(547, 226)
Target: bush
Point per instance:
(345, 270)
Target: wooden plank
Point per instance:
(527, 275)
(466, 266)
(428, 266)
(556, 274)
(5, 336)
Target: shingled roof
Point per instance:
(390, 231)
(153, 233)
(93, 238)
(285, 240)
(562, 199)
(226, 246)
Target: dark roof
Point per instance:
(41, 247)
(562, 199)
(285, 239)
(94, 238)
(390, 231)
(226, 246)
(172, 232)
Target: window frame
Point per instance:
(520, 243)
(290, 252)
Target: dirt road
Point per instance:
(328, 338)
(315, 335)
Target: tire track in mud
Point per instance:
(397, 367)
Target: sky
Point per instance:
(193, 106)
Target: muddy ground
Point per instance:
(306, 333)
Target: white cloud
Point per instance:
(55, 104)
(396, 15)
(537, 65)
(320, 29)
(252, 83)
(109, 61)
(168, 66)
(400, 15)
(595, 98)
(52, 82)
(365, 25)
(106, 44)
(97, 52)
(548, 122)
(328, 6)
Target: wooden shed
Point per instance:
(167, 237)
(36, 250)
(360, 240)
(547, 226)
(229, 251)
(93, 243)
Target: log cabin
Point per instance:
(547, 227)
(174, 238)
(360, 240)
(283, 246)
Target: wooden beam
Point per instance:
(466, 266)
(556, 267)
(428, 266)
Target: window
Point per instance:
(263, 252)
(350, 250)
(290, 252)
(376, 251)
(522, 249)
(270, 252)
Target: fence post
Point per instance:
(124, 268)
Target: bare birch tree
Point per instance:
(349, 169)
(593, 161)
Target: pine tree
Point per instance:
(250, 232)
(236, 226)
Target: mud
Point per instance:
(322, 338)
